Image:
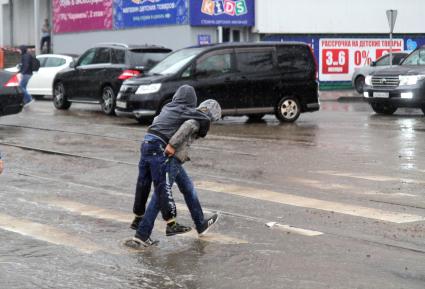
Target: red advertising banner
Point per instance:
(81, 15)
(340, 57)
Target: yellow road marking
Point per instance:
(305, 202)
(46, 233)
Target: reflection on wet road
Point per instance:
(334, 200)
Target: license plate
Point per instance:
(121, 104)
(381, 94)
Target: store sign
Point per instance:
(222, 12)
(339, 58)
(204, 39)
(138, 13)
(81, 15)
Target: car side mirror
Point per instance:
(73, 64)
(373, 63)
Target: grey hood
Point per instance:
(211, 108)
(174, 114)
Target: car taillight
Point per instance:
(315, 63)
(13, 82)
(126, 74)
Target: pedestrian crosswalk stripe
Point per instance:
(107, 214)
(344, 188)
(374, 178)
(46, 233)
(305, 202)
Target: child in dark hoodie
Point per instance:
(153, 158)
(177, 151)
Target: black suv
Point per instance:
(245, 78)
(98, 74)
(399, 86)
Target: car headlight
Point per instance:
(149, 88)
(368, 80)
(410, 79)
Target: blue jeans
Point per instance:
(23, 85)
(152, 166)
(174, 173)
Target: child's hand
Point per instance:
(169, 150)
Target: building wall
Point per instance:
(4, 23)
(174, 37)
(337, 16)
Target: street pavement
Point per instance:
(335, 200)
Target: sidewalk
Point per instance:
(346, 95)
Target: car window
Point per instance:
(291, 58)
(87, 58)
(214, 65)
(118, 56)
(54, 62)
(42, 61)
(383, 61)
(102, 55)
(398, 58)
(147, 58)
(417, 57)
(176, 61)
(254, 61)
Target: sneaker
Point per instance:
(138, 242)
(29, 103)
(135, 224)
(207, 224)
(175, 228)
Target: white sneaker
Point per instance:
(29, 103)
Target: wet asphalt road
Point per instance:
(344, 186)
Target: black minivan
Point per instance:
(245, 78)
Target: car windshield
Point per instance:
(175, 61)
(417, 57)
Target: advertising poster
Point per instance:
(81, 15)
(204, 39)
(339, 58)
(139, 13)
(222, 13)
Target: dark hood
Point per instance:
(174, 114)
(23, 49)
(401, 70)
(185, 95)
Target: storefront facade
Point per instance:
(343, 34)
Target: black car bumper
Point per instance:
(11, 104)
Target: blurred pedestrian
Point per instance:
(25, 73)
(1, 165)
(45, 36)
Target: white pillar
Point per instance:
(37, 27)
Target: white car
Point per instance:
(41, 82)
(360, 74)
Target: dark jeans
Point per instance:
(45, 39)
(152, 167)
(174, 173)
(23, 85)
